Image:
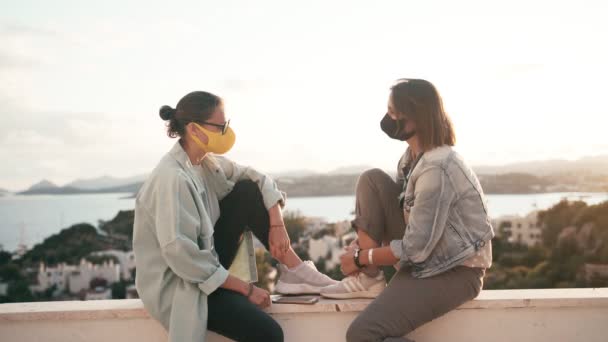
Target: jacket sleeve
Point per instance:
(270, 191)
(178, 221)
(400, 178)
(434, 195)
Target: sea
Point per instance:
(29, 219)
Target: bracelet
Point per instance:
(250, 290)
(370, 256)
(277, 226)
(356, 256)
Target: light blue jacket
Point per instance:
(175, 212)
(448, 216)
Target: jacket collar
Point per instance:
(178, 153)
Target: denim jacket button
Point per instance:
(479, 244)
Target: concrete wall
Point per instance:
(514, 315)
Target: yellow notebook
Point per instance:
(244, 264)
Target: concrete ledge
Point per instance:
(539, 314)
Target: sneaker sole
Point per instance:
(292, 289)
(351, 295)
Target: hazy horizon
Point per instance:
(305, 86)
(304, 172)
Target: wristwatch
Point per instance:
(356, 256)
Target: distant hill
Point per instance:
(508, 183)
(346, 170)
(120, 227)
(105, 182)
(514, 183)
(597, 165)
(293, 174)
(69, 245)
(133, 188)
(350, 170)
(4, 192)
(52, 191)
(42, 185)
(319, 185)
(585, 174)
(68, 190)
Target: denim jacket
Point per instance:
(448, 217)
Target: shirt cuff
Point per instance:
(217, 279)
(397, 248)
(271, 198)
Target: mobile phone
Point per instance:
(295, 299)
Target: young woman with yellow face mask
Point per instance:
(190, 216)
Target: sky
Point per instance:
(304, 83)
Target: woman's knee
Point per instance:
(353, 334)
(272, 332)
(247, 190)
(371, 178)
(246, 186)
(373, 175)
(358, 332)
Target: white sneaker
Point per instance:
(357, 286)
(303, 279)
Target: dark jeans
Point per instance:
(230, 313)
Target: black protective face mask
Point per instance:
(395, 129)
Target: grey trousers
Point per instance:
(377, 209)
(407, 302)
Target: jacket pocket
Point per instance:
(455, 238)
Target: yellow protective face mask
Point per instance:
(218, 143)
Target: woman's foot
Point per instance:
(356, 286)
(302, 279)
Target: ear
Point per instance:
(193, 129)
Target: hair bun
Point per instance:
(166, 112)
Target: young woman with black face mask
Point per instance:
(431, 224)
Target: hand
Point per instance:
(347, 263)
(278, 240)
(353, 245)
(260, 297)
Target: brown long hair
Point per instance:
(196, 106)
(419, 100)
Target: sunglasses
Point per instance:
(223, 126)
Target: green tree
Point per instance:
(19, 291)
(10, 272)
(119, 290)
(295, 225)
(5, 257)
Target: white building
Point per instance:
(75, 278)
(80, 279)
(99, 293)
(525, 230)
(49, 276)
(328, 244)
(125, 259)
